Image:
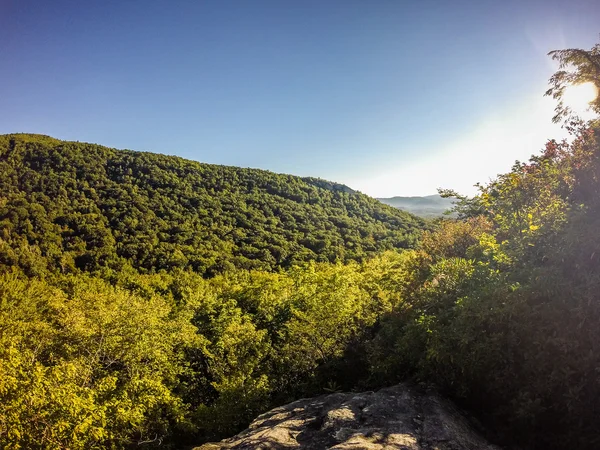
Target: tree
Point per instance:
(576, 66)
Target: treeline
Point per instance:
(146, 299)
(68, 206)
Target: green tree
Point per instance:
(88, 365)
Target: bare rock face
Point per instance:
(398, 418)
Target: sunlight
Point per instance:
(489, 147)
(579, 96)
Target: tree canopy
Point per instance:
(67, 206)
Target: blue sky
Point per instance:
(389, 97)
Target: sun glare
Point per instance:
(579, 96)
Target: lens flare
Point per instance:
(579, 96)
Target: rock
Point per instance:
(398, 418)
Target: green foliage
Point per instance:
(274, 337)
(67, 206)
(146, 300)
(503, 312)
(463, 207)
(112, 337)
(88, 365)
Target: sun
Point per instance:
(579, 96)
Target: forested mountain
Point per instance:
(144, 297)
(69, 205)
(98, 349)
(427, 206)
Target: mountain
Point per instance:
(67, 206)
(427, 206)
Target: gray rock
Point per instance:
(398, 418)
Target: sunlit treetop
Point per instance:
(576, 84)
(579, 97)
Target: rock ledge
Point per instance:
(398, 418)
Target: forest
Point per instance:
(68, 206)
(147, 301)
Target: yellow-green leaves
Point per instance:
(87, 368)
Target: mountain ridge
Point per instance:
(104, 206)
(428, 206)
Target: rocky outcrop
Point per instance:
(399, 418)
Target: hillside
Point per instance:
(84, 206)
(427, 206)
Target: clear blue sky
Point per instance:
(389, 97)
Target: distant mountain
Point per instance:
(427, 206)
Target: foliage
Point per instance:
(274, 337)
(110, 334)
(504, 310)
(69, 206)
(463, 207)
(88, 365)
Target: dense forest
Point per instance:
(70, 206)
(150, 301)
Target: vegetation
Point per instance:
(87, 364)
(502, 310)
(111, 335)
(133, 312)
(68, 206)
(576, 66)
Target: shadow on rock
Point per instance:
(396, 418)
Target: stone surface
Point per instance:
(396, 418)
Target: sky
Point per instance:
(388, 97)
